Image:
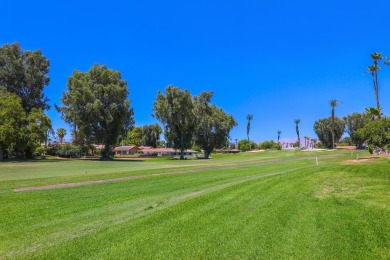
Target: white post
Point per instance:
(316, 160)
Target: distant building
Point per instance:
(289, 143)
(167, 152)
(126, 150)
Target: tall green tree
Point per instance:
(20, 134)
(297, 121)
(376, 133)
(249, 117)
(151, 134)
(213, 125)
(12, 117)
(24, 73)
(175, 110)
(323, 129)
(373, 70)
(135, 136)
(96, 104)
(61, 132)
(34, 133)
(333, 103)
(353, 123)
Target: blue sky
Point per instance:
(277, 60)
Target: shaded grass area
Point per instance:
(288, 209)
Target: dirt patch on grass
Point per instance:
(365, 160)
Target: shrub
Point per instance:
(269, 145)
(39, 151)
(69, 151)
(243, 145)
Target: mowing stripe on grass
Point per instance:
(78, 231)
(75, 184)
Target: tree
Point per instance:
(306, 138)
(20, 133)
(297, 121)
(12, 117)
(315, 141)
(213, 125)
(243, 145)
(34, 133)
(333, 104)
(135, 136)
(376, 133)
(279, 133)
(373, 113)
(249, 117)
(175, 111)
(61, 132)
(151, 134)
(96, 105)
(373, 70)
(24, 73)
(323, 129)
(354, 122)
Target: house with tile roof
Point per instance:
(126, 150)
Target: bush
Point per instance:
(68, 151)
(269, 145)
(370, 149)
(243, 145)
(40, 151)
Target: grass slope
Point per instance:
(261, 206)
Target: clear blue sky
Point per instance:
(278, 60)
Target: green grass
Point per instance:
(265, 205)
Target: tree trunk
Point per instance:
(1, 154)
(376, 87)
(106, 152)
(206, 154)
(333, 128)
(181, 154)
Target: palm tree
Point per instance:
(315, 143)
(297, 121)
(61, 132)
(249, 117)
(279, 133)
(306, 141)
(373, 113)
(373, 70)
(333, 104)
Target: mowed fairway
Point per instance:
(261, 205)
